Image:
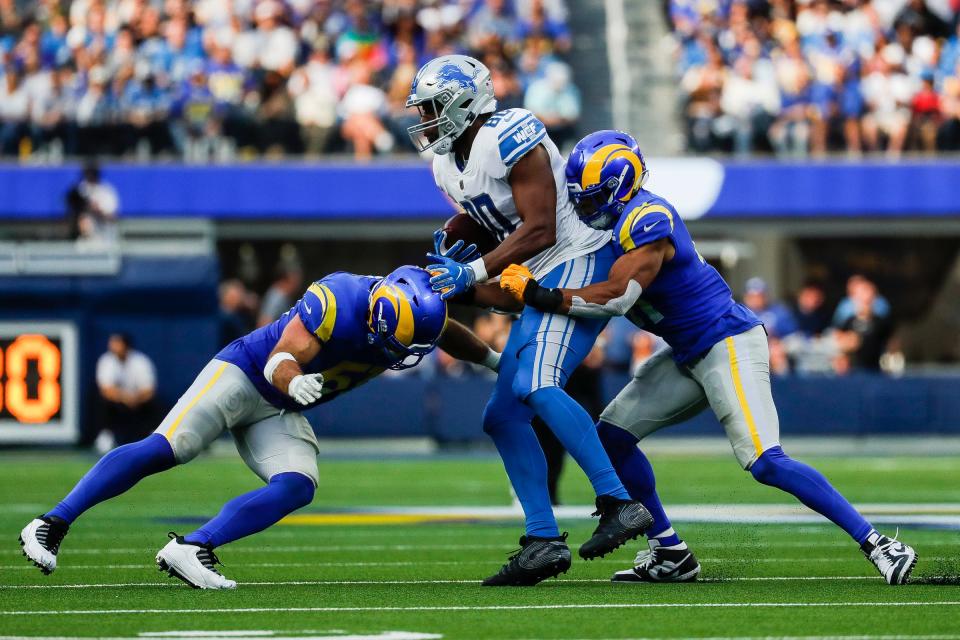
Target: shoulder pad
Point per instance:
(318, 309)
(643, 223)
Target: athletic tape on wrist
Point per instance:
(274, 362)
(479, 270)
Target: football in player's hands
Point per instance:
(463, 227)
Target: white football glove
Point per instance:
(306, 388)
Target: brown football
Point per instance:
(462, 227)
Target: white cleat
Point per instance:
(192, 563)
(41, 542)
(893, 559)
(661, 564)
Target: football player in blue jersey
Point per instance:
(345, 330)
(505, 173)
(717, 356)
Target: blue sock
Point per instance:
(507, 422)
(637, 475)
(575, 429)
(115, 473)
(256, 510)
(777, 469)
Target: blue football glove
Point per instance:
(457, 252)
(451, 278)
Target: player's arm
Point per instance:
(489, 295)
(614, 296)
(535, 196)
(296, 347)
(463, 344)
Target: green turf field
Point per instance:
(329, 576)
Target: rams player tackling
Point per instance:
(345, 330)
(717, 356)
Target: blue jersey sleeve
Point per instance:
(643, 224)
(318, 310)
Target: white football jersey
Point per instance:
(483, 191)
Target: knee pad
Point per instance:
(186, 445)
(765, 468)
(298, 487)
(616, 442)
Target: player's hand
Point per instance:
(451, 277)
(306, 388)
(515, 279)
(457, 251)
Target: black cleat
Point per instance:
(41, 540)
(893, 559)
(620, 521)
(536, 560)
(662, 564)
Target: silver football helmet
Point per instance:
(451, 91)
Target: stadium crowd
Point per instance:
(218, 79)
(804, 77)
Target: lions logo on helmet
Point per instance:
(605, 170)
(406, 317)
(449, 92)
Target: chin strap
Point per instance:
(613, 307)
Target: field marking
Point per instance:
(235, 635)
(878, 637)
(505, 547)
(505, 607)
(945, 514)
(444, 563)
(118, 585)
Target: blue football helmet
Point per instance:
(605, 170)
(406, 316)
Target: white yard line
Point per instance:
(442, 563)
(472, 608)
(123, 585)
(267, 549)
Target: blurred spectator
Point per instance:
(618, 351)
(363, 109)
(556, 102)
(864, 335)
(643, 345)
(236, 311)
(779, 361)
(315, 102)
(126, 381)
(281, 295)
(776, 317)
(810, 310)
(14, 112)
(857, 289)
(92, 208)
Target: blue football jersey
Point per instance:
(335, 310)
(688, 304)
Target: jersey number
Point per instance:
(482, 209)
(643, 314)
(347, 375)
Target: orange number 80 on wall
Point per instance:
(30, 368)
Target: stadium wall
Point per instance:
(405, 191)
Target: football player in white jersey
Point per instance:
(506, 174)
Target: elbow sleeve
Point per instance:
(614, 307)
